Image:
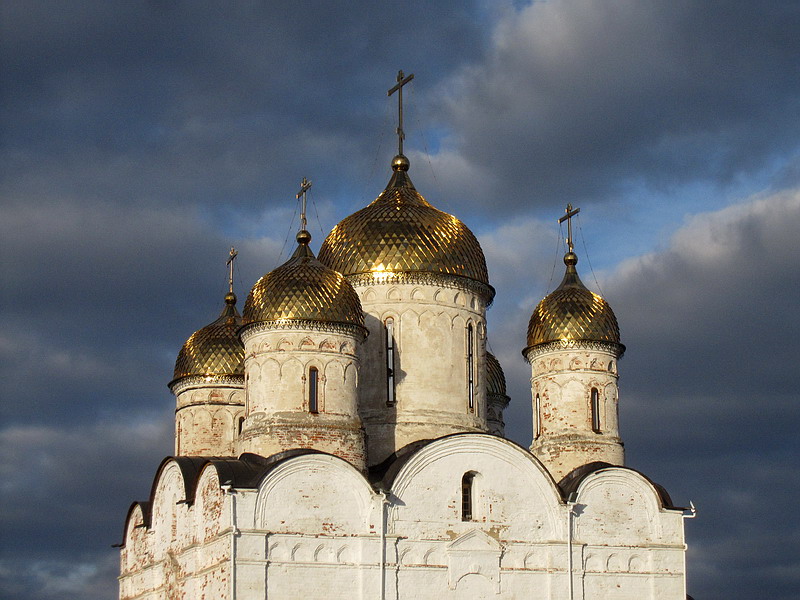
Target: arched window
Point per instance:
(247, 393)
(537, 417)
(595, 410)
(313, 390)
(241, 424)
(467, 496)
(471, 366)
(390, 350)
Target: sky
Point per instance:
(139, 141)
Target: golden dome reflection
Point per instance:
(303, 289)
(572, 313)
(495, 378)
(215, 351)
(400, 232)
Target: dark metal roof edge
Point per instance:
(146, 514)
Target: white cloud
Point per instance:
(726, 276)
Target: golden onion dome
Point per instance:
(400, 232)
(495, 378)
(303, 289)
(573, 313)
(214, 352)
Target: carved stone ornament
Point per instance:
(477, 553)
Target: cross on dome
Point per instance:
(401, 81)
(568, 218)
(305, 184)
(231, 257)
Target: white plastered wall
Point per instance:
(631, 547)
(315, 518)
(278, 415)
(431, 322)
(185, 553)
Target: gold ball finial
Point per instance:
(230, 298)
(400, 163)
(303, 237)
(570, 259)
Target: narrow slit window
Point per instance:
(390, 350)
(595, 410)
(241, 424)
(467, 500)
(471, 366)
(313, 390)
(537, 417)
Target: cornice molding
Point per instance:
(486, 292)
(182, 384)
(532, 352)
(302, 325)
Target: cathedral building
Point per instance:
(343, 436)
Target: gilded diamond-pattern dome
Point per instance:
(572, 313)
(303, 289)
(495, 378)
(400, 232)
(214, 351)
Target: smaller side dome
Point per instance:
(495, 378)
(573, 313)
(303, 289)
(215, 351)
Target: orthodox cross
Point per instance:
(304, 185)
(231, 257)
(401, 81)
(568, 218)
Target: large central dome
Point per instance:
(400, 232)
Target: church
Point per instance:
(342, 436)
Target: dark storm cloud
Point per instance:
(98, 294)
(582, 100)
(202, 103)
(59, 472)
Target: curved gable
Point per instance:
(189, 467)
(513, 492)
(618, 506)
(314, 493)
